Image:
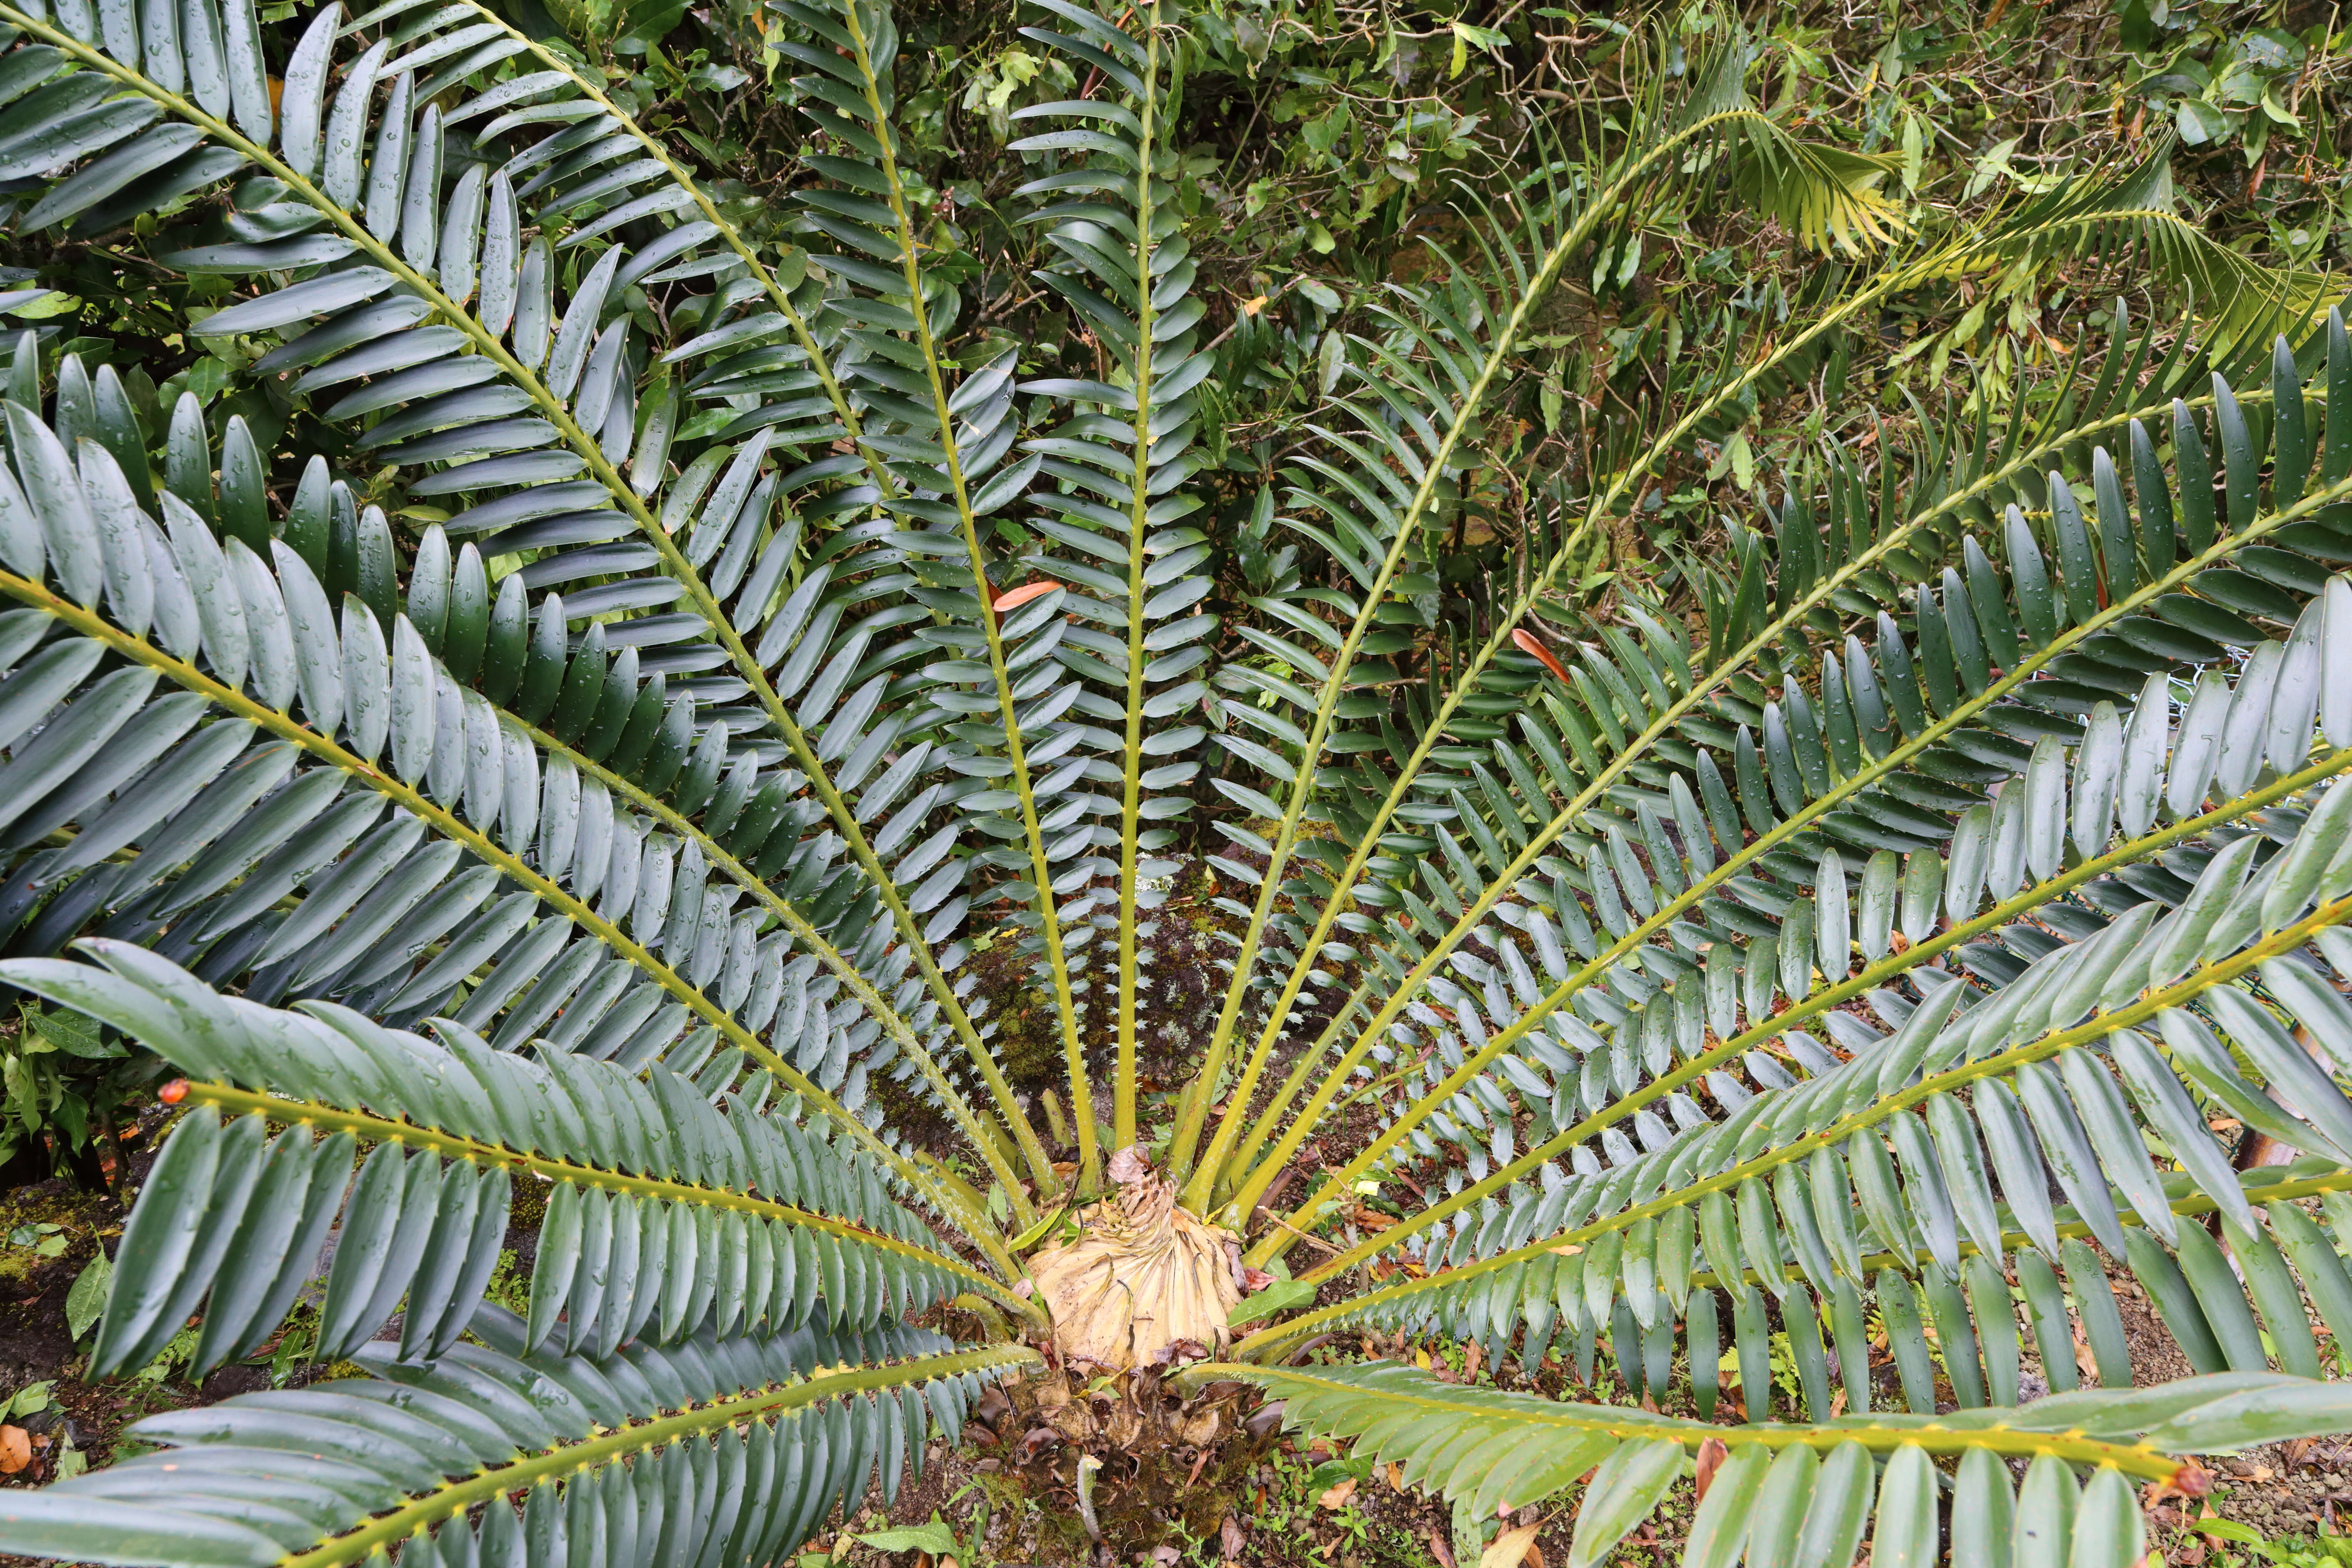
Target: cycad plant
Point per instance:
(1937, 919)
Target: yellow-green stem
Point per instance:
(1634, 1426)
(1130, 820)
(2192, 1206)
(1040, 869)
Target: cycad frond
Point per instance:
(528, 432)
(2050, 832)
(2241, 300)
(1637, 717)
(1369, 503)
(653, 1229)
(618, 1452)
(1827, 197)
(1806, 1494)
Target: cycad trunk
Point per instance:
(1144, 1280)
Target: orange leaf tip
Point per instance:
(1529, 644)
(1014, 598)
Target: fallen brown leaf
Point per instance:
(1510, 1547)
(1337, 1496)
(15, 1449)
(1711, 1455)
